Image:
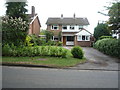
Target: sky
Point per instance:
(54, 8)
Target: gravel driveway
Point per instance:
(97, 60)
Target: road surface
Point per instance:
(24, 77)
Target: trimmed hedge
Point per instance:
(77, 52)
(34, 51)
(109, 46)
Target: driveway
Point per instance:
(96, 60)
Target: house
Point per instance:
(34, 25)
(72, 30)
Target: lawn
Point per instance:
(43, 60)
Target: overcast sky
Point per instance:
(54, 8)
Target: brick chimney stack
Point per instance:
(61, 16)
(33, 11)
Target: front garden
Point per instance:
(18, 48)
(51, 56)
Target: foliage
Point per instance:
(16, 10)
(102, 37)
(101, 30)
(48, 35)
(77, 52)
(114, 16)
(11, 50)
(109, 46)
(60, 35)
(59, 43)
(14, 30)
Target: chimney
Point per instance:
(61, 16)
(74, 15)
(33, 11)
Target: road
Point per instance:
(24, 77)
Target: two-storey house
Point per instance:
(72, 30)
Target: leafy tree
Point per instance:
(59, 36)
(15, 24)
(101, 30)
(16, 9)
(114, 16)
(48, 35)
(14, 31)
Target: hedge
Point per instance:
(109, 46)
(53, 51)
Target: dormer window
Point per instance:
(72, 27)
(54, 27)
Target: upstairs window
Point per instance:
(64, 27)
(80, 27)
(72, 27)
(54, 27)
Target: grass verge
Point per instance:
(43, 60)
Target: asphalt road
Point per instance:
(24, 77)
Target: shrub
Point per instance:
(77, 52)
(14, 30)
(109, 46)
(59, 43)
(34, 51)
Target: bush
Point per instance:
(109, 46)
(34, 51)
(77, 52)
(14, 30)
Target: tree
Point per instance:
(14, 31)
(114, 16)
(48, 35)
(101, 30)
(15, 24)
(16, 9)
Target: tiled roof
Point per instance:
(68, 21)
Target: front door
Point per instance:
(64, 40)
(69, 40)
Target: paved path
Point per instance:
(22, 77)
(97, 60)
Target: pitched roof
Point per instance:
(68, 21)
(32, 18)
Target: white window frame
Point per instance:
(80, 39)
(72, 26)
(53, 27)
(53, 38)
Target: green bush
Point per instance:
(34, 51)
(77, 52)
(109, 46)
(14, 30)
